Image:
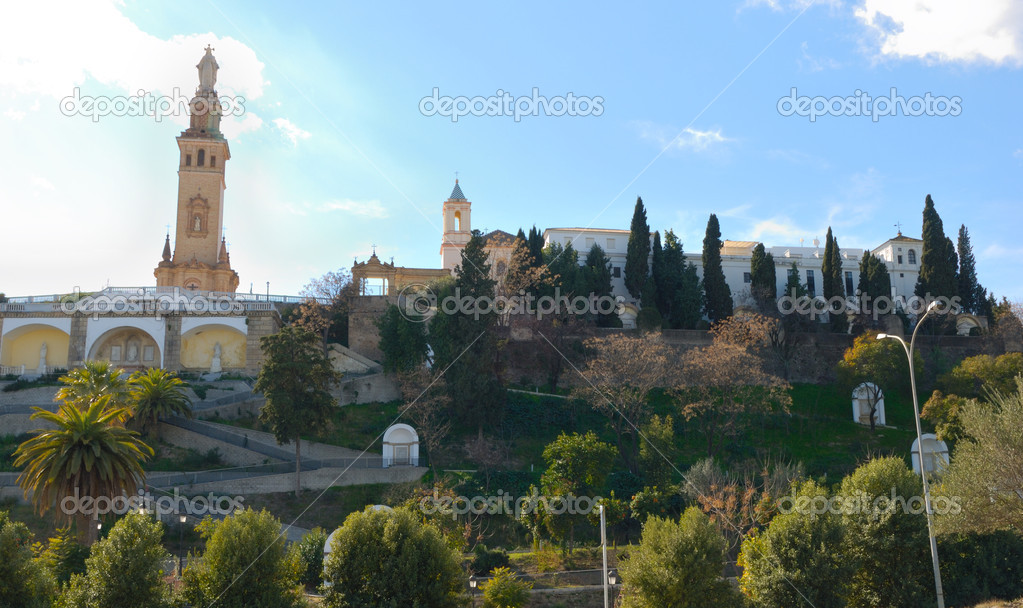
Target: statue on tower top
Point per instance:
(207, 67)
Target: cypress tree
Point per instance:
(659, 271)
(716, 294)
(598, 273)
(971, 294)
(535, 241)
(832, 282)
(793, 288)
(763, 276)
(874, 280)
(637, 262)
(649, 317)
(467, 347)
(937, 271)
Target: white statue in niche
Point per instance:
(133, 352)
(215, 364)
(198, 224)
(42, 359)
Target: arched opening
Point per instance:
(201, 160)
(128, 348)
(912, 256)
(458, 220)
(34, 346)
(213, 347)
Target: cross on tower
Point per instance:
(374, 249)
(898, 226)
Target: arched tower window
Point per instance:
(201, 160)
(912, 256)
(458, 220)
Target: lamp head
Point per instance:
(182, 518)
(473, 581)
(932, 306)
(612, 577)
(882, 336)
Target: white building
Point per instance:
(901, 254)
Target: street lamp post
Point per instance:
(473, 581)
(181, 548)
(920, 442)
(612, 577)
(603, 544)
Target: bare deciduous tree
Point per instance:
(620, 371)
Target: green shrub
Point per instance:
(24, 581)
(124, 569)
(485, 560)
(310, 554)
(505, 590)
(246, 563)
(979, 567)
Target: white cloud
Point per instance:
(669, 137)
(290, 131)
(811, 63)
(371, 208)
(94, 40)
(41, 183)
(14, 114)
(995, 250)
(788, 5)
(946, 30)
(776, 230)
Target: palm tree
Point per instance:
(88, 454)
(92, 381)
(157, 393)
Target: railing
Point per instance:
(151, 292)
(18, 370)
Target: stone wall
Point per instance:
(232, 455)
(363, 336)
(260, 323)
(367, 389)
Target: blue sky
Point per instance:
(332, 153)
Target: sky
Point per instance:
(697, 107)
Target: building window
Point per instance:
(590, 242)
(616, 272)
(458, 221)
(213, 161)
(849, 283)
(188, 160)
(201, 159)
(747, 277)
(900, 259)
(912, 256)
(811, 285)
(610, 244)
(568, 241)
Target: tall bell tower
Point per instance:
(457, 229)
(200, 261)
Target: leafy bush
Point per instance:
(124, 569)
(64, 556)
(485, 560)
(246, 563)
(505, 590)
(381, 559)
(310, 554)
(24, 581)
(652, 575)
(980, 567)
